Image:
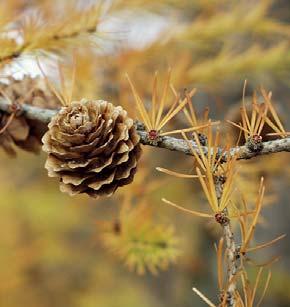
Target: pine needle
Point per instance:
(209, 192)
(220, 263)
(265, 288)
(238, 126)
(140, 106)
(162, 102)
(256, 216)
(196, 213)
(260, 246)
(175, 174)
(273, 111)
(193, 151)
(204, 298)
(264, 264)
(154, 99)
(256, 286)
(50, 85)
(187, 129)
(171, 115)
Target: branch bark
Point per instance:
(230, 250)
(231, 263)
(167, 142)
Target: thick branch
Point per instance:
(170, 143)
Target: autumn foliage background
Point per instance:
(56, 250)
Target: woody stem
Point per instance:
(230, 250)
(231, 262)
(167, 142)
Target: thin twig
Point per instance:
(167, 142)
(230, 251)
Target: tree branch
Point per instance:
(21, 49)
(230, 250)
(167, 142)
(231, 263)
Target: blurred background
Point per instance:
(132, 249)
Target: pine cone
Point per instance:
(15, 132)
(93, 148)
(25, 133)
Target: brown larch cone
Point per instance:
(28, 133)
(92, 147)
(12, 132)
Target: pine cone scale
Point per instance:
(25, 133)
(18, 129)
(66, 138)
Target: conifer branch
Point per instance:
(167, 142)
(27, 47)
(52, 36)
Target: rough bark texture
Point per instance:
(230, 250)
(231, 263)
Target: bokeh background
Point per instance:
(58, 251)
